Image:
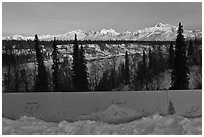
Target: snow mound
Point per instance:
(155, 124)
(113, 114)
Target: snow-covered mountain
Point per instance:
(15, 37)
(158, 32)
(162, 32)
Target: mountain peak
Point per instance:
(111, 31)
(160, 25)
(16, 37)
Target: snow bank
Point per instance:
(97, 123)
(154, 124)
(114, 115)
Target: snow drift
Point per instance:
(154, 124)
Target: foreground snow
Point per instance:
(154, 124)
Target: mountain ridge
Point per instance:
(158, 32)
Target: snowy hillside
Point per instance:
(154, 124)
(158, 32)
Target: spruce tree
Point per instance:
(55, 66)
(41, 80)
(75, 66)
(139, 77)
(161, 61)
(23, 80)
(179, 74)
(150, 59)
(83, 74)
(195, 52)
(190, 53)
(65, 75)
(121, 73)
(140, 73)
(190, 49)
(171, 56)
(150, 66)
(155, 64)
(127, 71)
(16, 72)
(144, 65)
(171, 109)
(80, 74)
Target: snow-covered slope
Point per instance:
(159, 32)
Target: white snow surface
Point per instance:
(154, 124)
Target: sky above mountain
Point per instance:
(55, 18)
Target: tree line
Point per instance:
(29, 44)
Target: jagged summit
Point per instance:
(160, 25)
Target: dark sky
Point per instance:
(56, 18)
